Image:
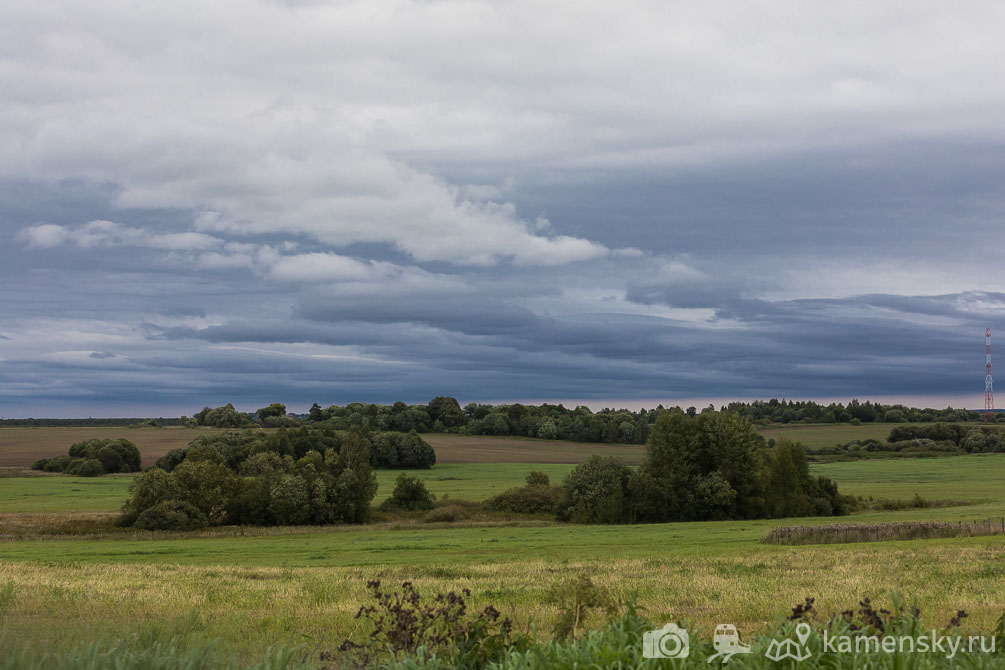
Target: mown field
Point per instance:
(256, 587)
(20, 447)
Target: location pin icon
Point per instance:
(803, 632)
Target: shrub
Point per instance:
(575, 599)
(537, 478)
(446, 514)
(57, 464)
(537, 497)
(85, 467)
(115, 455)
(171, 515)
(409, 493)
(110, 455)
(402, 623)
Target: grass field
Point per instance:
(818, 435)
(20, 447)
(253, 587)
(57, 493)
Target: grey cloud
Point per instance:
(344, 210)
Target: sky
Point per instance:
(600, 203)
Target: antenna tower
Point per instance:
(989, 388)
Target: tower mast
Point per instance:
(989, 388)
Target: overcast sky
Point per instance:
(611, 203)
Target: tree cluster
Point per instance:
(266, 488)
(386, 450)
(223, 417)
(712, 466)
(967, 438)
(91, 458)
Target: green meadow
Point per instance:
(254, 587)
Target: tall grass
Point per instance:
(883, 532)
(618, 644)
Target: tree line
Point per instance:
(444, 414)
(547, 421)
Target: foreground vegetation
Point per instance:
(69, 578)
(402, 630)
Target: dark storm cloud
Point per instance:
(591, 204)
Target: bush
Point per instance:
(447, 514)
(110, 455)
(115, 455)
(57, 464)
(401, 623)
(85, 467)
(171, 515)
(537, 478)
(537, 497)
(409, 493)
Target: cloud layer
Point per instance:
(332, 201)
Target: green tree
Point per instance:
(447, 411)
(409, 493)
(596, 492)
(699, 468)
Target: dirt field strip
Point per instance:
(20, 447)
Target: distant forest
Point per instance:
(444, 414)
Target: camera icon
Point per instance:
(670, 641)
